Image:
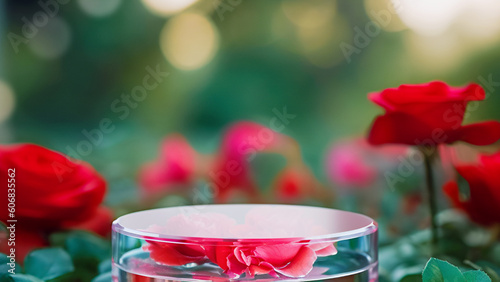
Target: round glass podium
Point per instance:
(244, 243)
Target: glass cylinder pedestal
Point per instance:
(244, 243)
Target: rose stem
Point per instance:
(431, 194)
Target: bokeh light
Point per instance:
(189, 41)
(313, 13)
(480, 21)
(428, 17)
(317, 28)
(320, 45)
(52, 40)
(474, 19)
(7, 101)
(167, 7)
(99, 8)
(434, 54)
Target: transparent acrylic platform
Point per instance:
(244, 243)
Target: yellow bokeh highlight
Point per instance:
(7, 101)
(167, 7)
(311, 13)
(189, 41)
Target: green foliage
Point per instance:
(48, 263)
(87, 251)
(86, 245)
(75, 256)
(104, 277)
(104, 266)
(4, 267)
(441, 271)
(19, 278)
(476, 275)
(265, 168)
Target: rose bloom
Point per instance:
(274, 258)
(251, 256)
(295, 184)
(483, 203)
(231, 171)
(354, 163)
(175, 166)
(51, 193)
(429, 114)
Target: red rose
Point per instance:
(98, 222)
(51, 193)
(250, 256)
(276, 258)
(49, 188)
(483, 203)
(175, 166)
(429, 113)
(356, 164)
(229, 170)
(294, 184)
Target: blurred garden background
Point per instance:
(108, 81)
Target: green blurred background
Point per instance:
(227, 61)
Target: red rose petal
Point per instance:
(483, 179)
(51, 189)
(99, 222)
(301, 264)
(174, 254)
(398, 128)
(219, 254)
(234, 267)
(433, 92)
(261, 268)
(479, 134)
(278, 255)
(324, 249)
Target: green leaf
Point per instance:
(86, 245)
(441, 271)
(412, 278)
(104, 277)
(57, 239)
(19, 278)
(492, 270)
(407, 273)
(105, 266)
(477, 276)
(86, 250)
(48, 263)
(5, 264)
